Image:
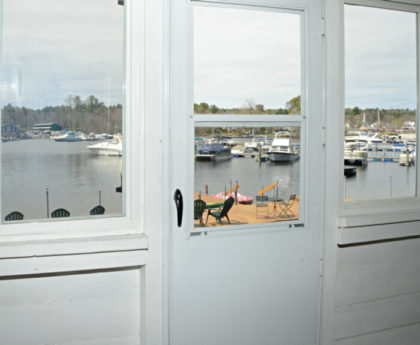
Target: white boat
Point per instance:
(107, 148)
(282, 151)
(238, 150)
(69, 136)
(355, 153)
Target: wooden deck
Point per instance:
(248, 214)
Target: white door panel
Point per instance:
(253, 285)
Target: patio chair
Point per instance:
(285, 206)
(59, 213)
(261, 201)
(15, 215)
(97, 210)
(199, 208)
(223, 212)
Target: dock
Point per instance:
(248, 214)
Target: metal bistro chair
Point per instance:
(261, 201)
(285, 206)
(97, 210)
(199, 208)
(15, 215)
(59, 213)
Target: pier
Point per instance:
(248, 214)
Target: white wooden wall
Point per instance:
(378, 294)
(99, 308)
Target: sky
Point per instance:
(380, 58)
(51, 49)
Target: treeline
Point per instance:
(88, 115)
(392, 118)
(250, 107)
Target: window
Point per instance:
(249, 111)
(380, 103)
(62, 105)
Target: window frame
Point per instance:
(301, 8)
(80, 231)
(360, 214)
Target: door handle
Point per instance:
(179, 206)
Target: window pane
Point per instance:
(380, 114)
(246, 61)
(61, 108)
(263, 162)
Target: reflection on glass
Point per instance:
(246, 175)
(380, 114)
(246, 61)
(61, 109)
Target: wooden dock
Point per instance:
(248, 214)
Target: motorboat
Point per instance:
(108, 148)
(282, 151)
(213, 152)
(238, 150)
(69, 136)
(355, 153)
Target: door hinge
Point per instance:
(324, 27)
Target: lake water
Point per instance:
(72, 174)
(74, 178)
(370, 182)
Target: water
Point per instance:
(251, 175)
(371, 182)
(71, 173)
(374, 182)
(74, 177)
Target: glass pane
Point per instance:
(258, 167)
(380, 114)
(246, 61)
(61, 108)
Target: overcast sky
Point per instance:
(380, 48)
(55, 48)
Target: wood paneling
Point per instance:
(96, 308)
(408, 335)
(378, 294)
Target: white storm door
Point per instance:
(255, 281)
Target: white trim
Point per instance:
(71, 246)
(133, 176)
(373, 233)
(72, 263)
(384, 4)
(381, 206)
(249, 118)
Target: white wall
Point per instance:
(378, 294)
(99, 308)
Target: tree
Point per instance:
(259, 108)
(293, 106)
(214, 109)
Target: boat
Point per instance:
(238, 150)
(213, 152)
(242, 199)
(408, 157)
(355, 153)
(69, 136)
(282, 151)
(108, 148)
